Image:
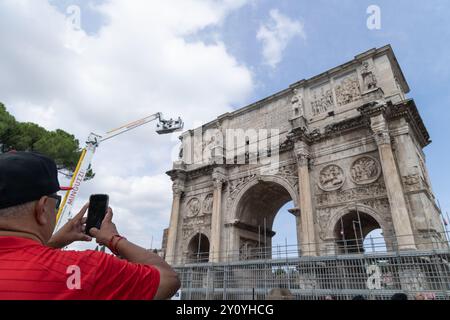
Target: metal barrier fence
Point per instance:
(428, 241)
(374, 276)
(280, 273)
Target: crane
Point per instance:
(92, 143)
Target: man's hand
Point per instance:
(72, 231)
(107, 230)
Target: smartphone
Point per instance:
(98, 205)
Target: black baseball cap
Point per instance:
(26, 177)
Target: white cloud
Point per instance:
(276, 34)
(137, 64)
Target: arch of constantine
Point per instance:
(344, 146)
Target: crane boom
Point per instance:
(92, 143)
(130, 126)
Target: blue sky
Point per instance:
(118, 59)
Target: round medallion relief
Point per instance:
(193, 207)
(208, 203)
(365, 170)
(331, 178)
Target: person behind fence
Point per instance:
(32, 264)
(419, 296)
(425, 296)
(399, 296)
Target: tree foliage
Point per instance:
(26, 136)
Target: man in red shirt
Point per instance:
(32, 266)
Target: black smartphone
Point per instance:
(98, 205)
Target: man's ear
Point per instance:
(40, 211)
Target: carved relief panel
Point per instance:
(331, 177)
(195, 219)
(235, 186)
(365, 170)
(376, 189)
(193, 208)
(290, 173)
(323, 217)
(208, 204)
(321, 99)
(347, 89)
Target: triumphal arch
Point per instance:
(346, 146)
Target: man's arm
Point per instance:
(169, 282)
(72, 231)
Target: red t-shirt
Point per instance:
(31, 271)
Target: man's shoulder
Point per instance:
(86, 258)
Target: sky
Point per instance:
(118, 61)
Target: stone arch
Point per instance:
(254, 211)
(197, 248)
(368, 214)
(334, 219)
(293, 193)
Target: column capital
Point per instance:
(302, 153)
(178, 187)
(219, 177)
(302, 159)
(380, 129)
(382, 137)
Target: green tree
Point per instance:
(26, 136)
(7, 125)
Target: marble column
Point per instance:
(308, 241)
(177, 188)
(216, 219)
(394, 188)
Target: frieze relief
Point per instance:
(331, 178)
(365, 170)
(348, 91)
(322, 101)
(350, 195)
(197, 222)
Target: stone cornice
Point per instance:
(177, 174)
(372, 108)
(195, 173)
(344, 126)
(408, 110)
(314, 136)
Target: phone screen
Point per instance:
(98, 205)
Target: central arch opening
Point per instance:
(256, 212)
